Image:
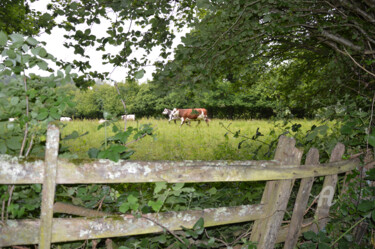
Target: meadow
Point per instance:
(172, 142)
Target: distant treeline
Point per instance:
(148, 100)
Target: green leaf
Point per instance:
(156, 205)
(323, 246)
(3, 38)
(203, 4)
(68, 69)
(42, 52)
(370, 175)
(347, 128)
(159, 186)
(16, 37)
(3, 147)
(177, 186)
(14, 100)
(212, 191)
(366, 205)
(11, 54)
(132, 199)
(199, 226)
(124, 207)
(140, 74)
(35, 51)
(14, 143)
(32, 41)
(371, 138)
(309, 235)
(25, 48)
(42, 115)
(72, 135)
(43, 65)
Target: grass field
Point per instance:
(173, 142)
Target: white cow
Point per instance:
(12, 119)
(128, 117)
(65, 119)
(102, 121)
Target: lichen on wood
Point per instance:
(71, 229)
(105, 171)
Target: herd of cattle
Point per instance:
(185, 115)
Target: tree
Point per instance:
(233, 38)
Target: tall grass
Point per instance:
(173, 142)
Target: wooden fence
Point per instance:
(279, 173)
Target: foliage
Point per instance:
(31, 100)
(16, 16)
(115, 147)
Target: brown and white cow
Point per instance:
(186, 115)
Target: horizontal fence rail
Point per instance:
(267, 230)
(13, 171)
(71, 229)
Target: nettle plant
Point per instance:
(28, 102)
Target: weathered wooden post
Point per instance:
(49, 184)
(295, 225)
(328, 191)
(276, 196)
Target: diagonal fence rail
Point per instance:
(279, 173)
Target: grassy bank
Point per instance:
(173, 142)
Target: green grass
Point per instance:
(173, 142)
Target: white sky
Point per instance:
(56, 40)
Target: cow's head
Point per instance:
(165, 112)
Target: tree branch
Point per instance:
(359, 65)
(341, 41)
(359, 11)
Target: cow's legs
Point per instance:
(182, 121)
(198, 122)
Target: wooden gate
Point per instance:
(268, 215)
